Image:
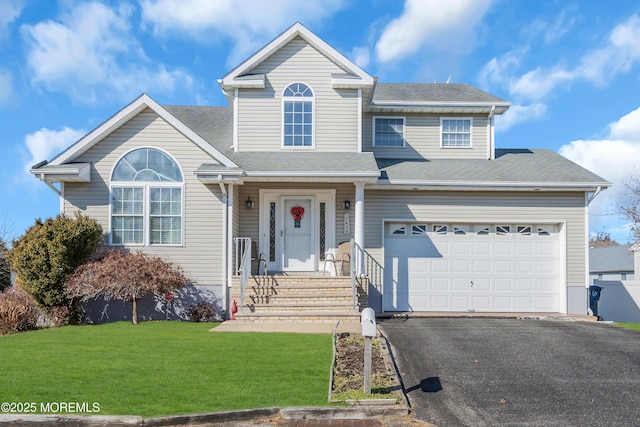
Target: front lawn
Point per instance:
(163, 368)
(635, 326)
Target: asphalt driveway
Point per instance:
(488, 372)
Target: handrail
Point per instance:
(375, 273)
(352, 268)
(243, 264)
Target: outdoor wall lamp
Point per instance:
(347, 204)
(249, 203)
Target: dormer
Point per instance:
(431, 121)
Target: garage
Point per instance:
(502, 267)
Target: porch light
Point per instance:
(249, 203)
(347, 204)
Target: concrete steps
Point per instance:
(296, 299)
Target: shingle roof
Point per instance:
(511, 166)
(213, 124)
(436, 92)
(609, 259)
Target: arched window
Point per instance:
(146, 199)
(298, 102)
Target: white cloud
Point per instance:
(539, 83)
(613, 158)
(90, 54)
(360, 56)
(9, 11)
(45, 143)
(248, 23)
(550, 30)
(519, 114)
(6, 86)
(500, 69)
(444, 26)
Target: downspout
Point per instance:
(490, 140)
(51, 186)
(593, 196)
(223, 190)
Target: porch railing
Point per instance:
(352, 267)
(243, 264)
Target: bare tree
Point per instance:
(629, 205)
(602, 238)
(125, 276)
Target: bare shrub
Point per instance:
(18, 312)
(202, 312)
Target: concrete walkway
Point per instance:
(293, 327)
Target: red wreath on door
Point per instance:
(297, 212)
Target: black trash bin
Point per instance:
(594, 297)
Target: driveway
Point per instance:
(488, 372)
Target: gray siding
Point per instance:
(422, 135)
(481, 207)
(260, 110)
(201, 253)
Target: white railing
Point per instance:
(352, 268)
(243, 264)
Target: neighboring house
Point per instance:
(611, 263)
(313, 151)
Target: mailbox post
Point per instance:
(368, 322)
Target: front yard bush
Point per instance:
(18, 312)
(202, 312)
(48, 252)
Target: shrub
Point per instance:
(48, 252)
(5, 268)
(125, 276)
(18, 312)
(202, 312)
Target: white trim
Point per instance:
(461, 104)
(236, 109)
(490, 185)
(373, 131)
(233, 78)
(149, 147)
(124, 115)
(465, 147)
(267, 196)
(359, 120)
(62, 198)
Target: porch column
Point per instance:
(358, 229)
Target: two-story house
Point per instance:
(313, 152)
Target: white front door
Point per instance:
(298, 237)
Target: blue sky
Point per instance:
(571, 70)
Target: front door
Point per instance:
(298, 234)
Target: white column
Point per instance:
(358, 229)
(230, 243)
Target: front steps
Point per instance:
(296, 299)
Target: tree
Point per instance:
(48, 252)
(5, 267)
(125, 276)
(629, 205)
(602, 238)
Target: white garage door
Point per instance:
(471, 267)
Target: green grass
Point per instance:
(163, 368)
(635, 326)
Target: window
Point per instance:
(440, 229)
(456, 133)
(298, 116)
(501, 230)
(146, 199)
(388, 131)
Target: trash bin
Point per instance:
(594, 297)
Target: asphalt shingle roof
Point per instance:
(510, 165)
(610, 259)
(435, 92)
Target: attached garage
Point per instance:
(506, 267)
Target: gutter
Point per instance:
(490, 140)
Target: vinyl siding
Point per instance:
(466, 208)
(260, 110)
(422, 135)
(200, 255)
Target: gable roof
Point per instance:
(610, 259)
(241, 75)
(436, 97)
(141, 103)
(511, 169)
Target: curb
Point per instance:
(214, 418)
